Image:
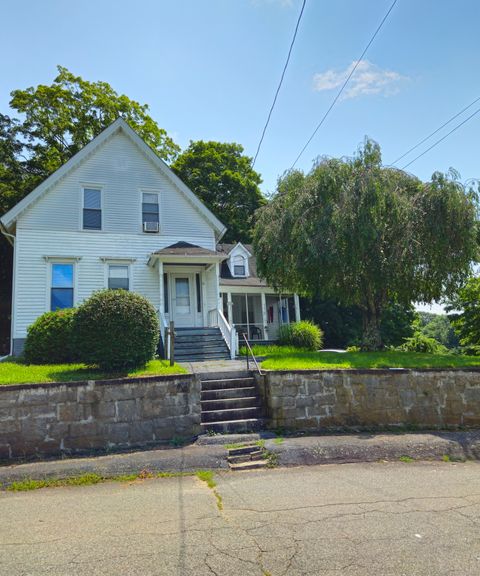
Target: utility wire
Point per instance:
(442, 139)
(344, 84)
(435, 131)
(280, 83)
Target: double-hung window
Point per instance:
(61, 291)
(150, 211)
(118, 277)
(239, 266)
(92, 209)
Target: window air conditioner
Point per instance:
(150, 227)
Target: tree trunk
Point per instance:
(372, 337)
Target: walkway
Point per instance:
(239, 365)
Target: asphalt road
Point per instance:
(412, 519)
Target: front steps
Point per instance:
(248, 457)
(200, 344)
(230, 405)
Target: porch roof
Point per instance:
(184, 252)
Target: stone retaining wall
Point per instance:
(368, 399)
(75, 417)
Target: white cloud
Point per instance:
(367, 79)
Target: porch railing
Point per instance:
(217, 319)
(167, 333)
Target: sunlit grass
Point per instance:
(283, 360)
(17, 372)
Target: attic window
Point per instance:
(239, 266)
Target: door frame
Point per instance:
(193, 301)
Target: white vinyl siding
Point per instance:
(32, 296)
(121, 170)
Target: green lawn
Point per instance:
(278, 359)
(16, 372)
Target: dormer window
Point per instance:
(239, 268)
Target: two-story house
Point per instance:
(115, 216)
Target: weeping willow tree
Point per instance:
(367, 235)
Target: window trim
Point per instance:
(147, 190)
(50, 261)
(100, 188)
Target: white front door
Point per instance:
(183, 299)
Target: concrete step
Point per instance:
(196, 331)
(201, 358)
(198, 337)
(192, 353)
(225, 393)
(252, 457)
(243, 450)
(233, 426)
(200, 343)
(230, 414)
(224, 383)
(229, 404)
(193, 350)
(249, 465)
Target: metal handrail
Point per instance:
(250, 351)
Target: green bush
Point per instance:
(302, 334)
(116, 329)
(50, 338)
(421, 343)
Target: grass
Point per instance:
(17, 372)
(90, 479)
(207, 476)
(406, 459)
(284, 359)
(272, 349)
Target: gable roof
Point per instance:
(226, 278)
(119, 125)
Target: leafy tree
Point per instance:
(221, 175)
(342, 325)
(465, 308)
(57, 120)
(367, 235)
(439, 327)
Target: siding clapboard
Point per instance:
(51, 227)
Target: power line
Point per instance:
(345, 83)
(280, 83)
(442, 139)
(435, 131)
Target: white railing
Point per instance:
(217, 319)
(164, 334)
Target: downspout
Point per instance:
(11, 239)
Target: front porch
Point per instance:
(258, 312)
(188, 280)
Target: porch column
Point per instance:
(229, 308)
(217, 285)
(203, 282)
(160, 283)
(264, 315)
(296, 301)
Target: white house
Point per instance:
(115, 216)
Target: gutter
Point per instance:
(11, 239)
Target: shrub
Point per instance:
(354, 349)
(421, 343)
(50, 338)
(116, 329)
(302, 334)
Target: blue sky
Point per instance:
(209, 68)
